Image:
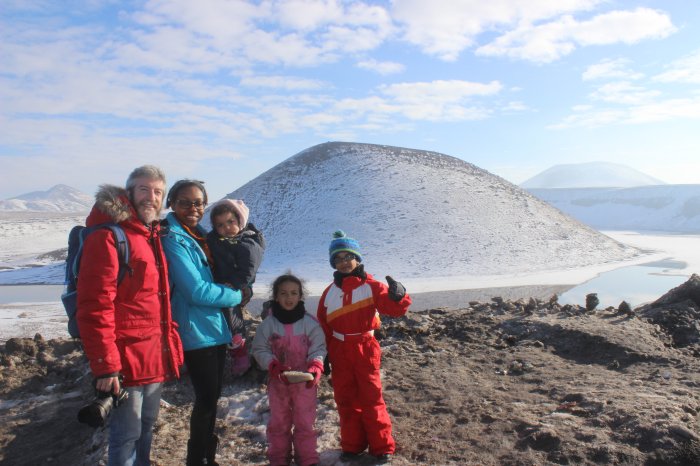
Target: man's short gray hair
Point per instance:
(150, 172)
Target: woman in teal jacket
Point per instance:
(196, 306)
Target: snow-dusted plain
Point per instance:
(28, 239)
(673, 208)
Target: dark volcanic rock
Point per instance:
(677, 313)
(689, 290)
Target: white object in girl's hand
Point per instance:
(297, 376)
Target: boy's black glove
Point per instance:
(396, 289)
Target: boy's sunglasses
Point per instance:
(346, 258)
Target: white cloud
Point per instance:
(610, 68)
(220, 20)
(289, 83)
(638, 100)
(48, 151)
(439, 90)
(307, 15)
(685, 70)
(239, 34)
(669, 109)
(381, 67)
(181, 79)
(550, 41)
(661, 110)
(590, 118)
(515, 106)
(436, 100)
(623, 92)
(445, 28)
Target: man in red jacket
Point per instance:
(349, 314)
(127, 331)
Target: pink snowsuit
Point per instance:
(294, 405)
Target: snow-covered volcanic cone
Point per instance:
(415, 213)
(60, 198)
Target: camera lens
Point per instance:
(96, 412)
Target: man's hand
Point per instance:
(396, 289)
(108, 384)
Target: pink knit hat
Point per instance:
(237, 206)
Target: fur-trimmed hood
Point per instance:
(111, 205)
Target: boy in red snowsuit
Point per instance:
(349, 313)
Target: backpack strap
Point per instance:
(123, 251)
(122, 244)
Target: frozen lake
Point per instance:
(675, 258)
(30, 293)
(637, 284)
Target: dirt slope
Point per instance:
(490, 383)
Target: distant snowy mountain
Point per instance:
(416, 214)
(590, 175)
(674, 208)
(60, 198)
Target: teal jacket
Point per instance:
(195, 299)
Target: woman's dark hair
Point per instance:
(179, 186)
(221, 208)
(287, 277)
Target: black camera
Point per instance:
(96, 413)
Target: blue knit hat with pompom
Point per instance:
(341, 243)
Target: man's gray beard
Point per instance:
(149, 216)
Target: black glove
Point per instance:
(396, 289)
(326, 366)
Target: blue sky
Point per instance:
(224, 90)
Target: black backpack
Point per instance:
(76, 239)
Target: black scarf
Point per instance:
(288, 317)
(358, 271)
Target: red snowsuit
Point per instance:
(128, 329)
(349, 317)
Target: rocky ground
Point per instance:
(498, 382)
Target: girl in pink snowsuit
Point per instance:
(290, 339)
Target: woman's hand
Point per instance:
(246, 293)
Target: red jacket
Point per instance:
(355, 308)
(126, 329)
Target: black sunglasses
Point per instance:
(185, 204)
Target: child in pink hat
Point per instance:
(237, 249)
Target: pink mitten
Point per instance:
(316, 369)
(275, 370)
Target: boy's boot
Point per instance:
(211, 451)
